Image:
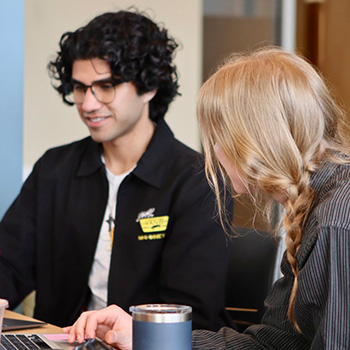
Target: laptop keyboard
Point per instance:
(22, 342)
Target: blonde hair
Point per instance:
(272, 115)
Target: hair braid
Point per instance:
(297, 207)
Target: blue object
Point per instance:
(11, 100)
(161, 336)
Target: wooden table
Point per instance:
(49, 328)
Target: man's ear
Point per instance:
(147, 96)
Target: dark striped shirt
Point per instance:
(322, 307)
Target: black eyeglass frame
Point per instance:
(109, 81)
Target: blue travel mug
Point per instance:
(161, 326)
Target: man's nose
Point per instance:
(90, 101)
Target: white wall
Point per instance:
(47, 121)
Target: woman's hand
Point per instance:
(112, 324)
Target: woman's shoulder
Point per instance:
(333, 204)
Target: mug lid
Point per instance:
(161, 313)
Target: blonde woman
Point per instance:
(270, 127)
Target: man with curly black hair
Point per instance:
(124, 216)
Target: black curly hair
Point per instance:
(137, 50)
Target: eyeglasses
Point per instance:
(104, 91)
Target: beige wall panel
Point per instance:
(47, 121)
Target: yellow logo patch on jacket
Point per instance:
(155, 224)
(151, 225)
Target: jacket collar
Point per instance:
(152, 165)
(91, 160)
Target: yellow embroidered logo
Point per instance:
(155, 224)
(151, 237)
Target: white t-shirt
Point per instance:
(98, 279)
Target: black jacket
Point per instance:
(49, 235)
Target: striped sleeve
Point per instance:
(256, 337)
(334, 330)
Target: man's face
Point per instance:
(124, 116)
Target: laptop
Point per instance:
(13, 324)
(12, 341)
